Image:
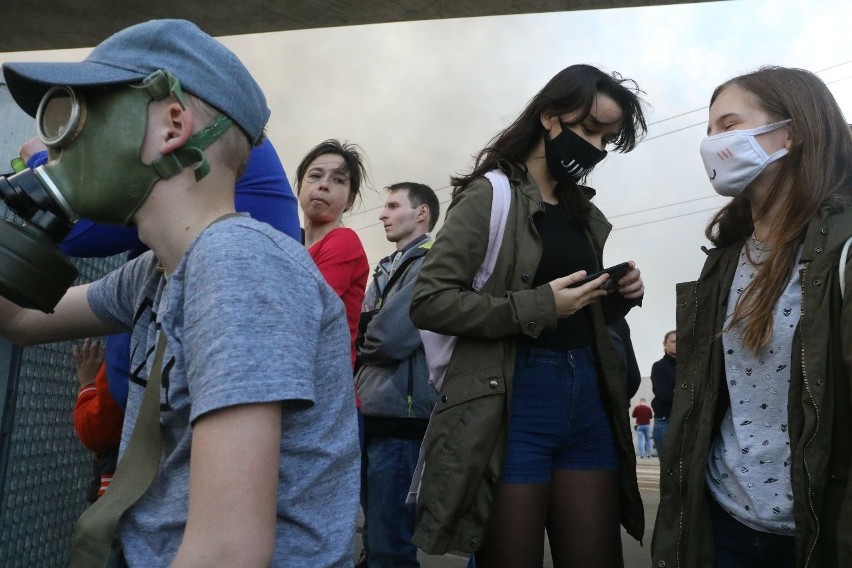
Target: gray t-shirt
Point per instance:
(249, 319)
(748, 472)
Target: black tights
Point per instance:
(579, 510)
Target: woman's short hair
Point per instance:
(353, 165)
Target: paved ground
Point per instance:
(635, 556)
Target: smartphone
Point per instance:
(615, 274)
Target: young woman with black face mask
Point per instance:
(757, 460)
(531, 432)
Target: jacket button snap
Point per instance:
(670, 471)
(444, 398)
(492, 383)
(525, 277)
(531, 325)
(824, 231)
(541, 206)
(818, 250)
(819, 382)
(473, 543)
(683, 386)
(817, 282)
(661, 564)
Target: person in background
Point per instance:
(663, 379)
(97, 417)
(758, 457)
(393, 380)
(642, 413)
(328, 181)
(531, 431)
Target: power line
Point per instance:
(666, 219)
(706, 107)
(834, 66)
(661, 206)
(702, 123)
(677, 115)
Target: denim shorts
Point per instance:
(557, 418)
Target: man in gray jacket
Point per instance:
(393, 380)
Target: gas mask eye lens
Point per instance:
(60, 116)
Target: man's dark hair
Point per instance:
(420, 194)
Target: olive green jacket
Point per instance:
(819, 408)
(467, 435)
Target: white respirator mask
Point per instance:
(734, 159)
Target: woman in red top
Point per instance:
(328, 181)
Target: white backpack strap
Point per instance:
(500, 202)
(844, 256)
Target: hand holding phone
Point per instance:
(615, 274)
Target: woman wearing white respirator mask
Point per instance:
(758, 453)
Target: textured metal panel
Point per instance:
(46, 469)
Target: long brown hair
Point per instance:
(818, 169)
(574, 88)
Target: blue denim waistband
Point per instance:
(572, 356)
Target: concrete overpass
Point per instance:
(46, 24)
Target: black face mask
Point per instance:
(569, 156)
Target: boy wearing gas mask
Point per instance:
(152, 129)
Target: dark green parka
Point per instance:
(467, 437)
(819, 407)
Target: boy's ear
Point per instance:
(176, 126)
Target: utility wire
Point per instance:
(661, 206)
(666, 219)
(703, 108)
(706, 107)
(702, 123)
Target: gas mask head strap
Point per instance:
(161, 84)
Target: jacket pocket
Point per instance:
(456, 489)
(464, 387)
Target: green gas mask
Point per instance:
(95, 170)
(94, 146)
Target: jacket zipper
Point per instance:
(685, 420)
(397, 275)
(812, 510)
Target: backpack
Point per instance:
(439, 348)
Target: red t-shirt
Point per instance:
(342, 261)
(98, 419)
(642, 414)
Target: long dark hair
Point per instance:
(818, 169)
(572, 89)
